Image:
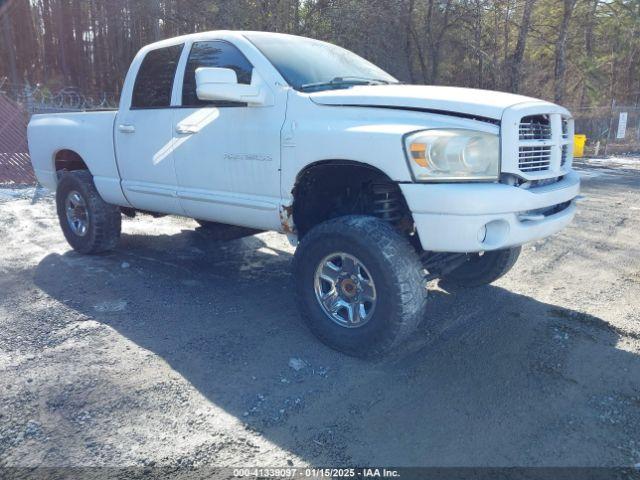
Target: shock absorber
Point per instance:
(387, 203)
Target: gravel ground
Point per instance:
(181, 350)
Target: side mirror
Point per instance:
(222, 84)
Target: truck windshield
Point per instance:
(311, 65)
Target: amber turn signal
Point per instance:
(418, 151)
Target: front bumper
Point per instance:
(475, 217)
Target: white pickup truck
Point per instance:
(381, 185)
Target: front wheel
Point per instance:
(360, 285)
(483, 268)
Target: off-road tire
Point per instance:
(104, 219)
(483, 269)
(395, 269)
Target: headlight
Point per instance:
(453, 155)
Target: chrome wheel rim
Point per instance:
(345, 290)
(77, 213)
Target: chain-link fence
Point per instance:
(41, 99)
(17, 104)
(15, 167)
(613, 130)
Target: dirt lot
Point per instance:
(179, 350)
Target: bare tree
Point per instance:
(561, 51)
(7, 38)
(515, 63)
(437, 26)
(409, 39)
(480, 43)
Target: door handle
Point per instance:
(186, 129)
(126, 128)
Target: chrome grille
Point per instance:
(565, 152)
(536, 142)
(535, 127)
(534, 159)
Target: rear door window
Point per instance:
(153, 85)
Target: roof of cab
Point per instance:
(222, 34)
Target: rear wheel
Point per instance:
(483, 268)
(360, 285)
(89, 224)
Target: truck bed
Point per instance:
(90, 134)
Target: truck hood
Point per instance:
(466, 101)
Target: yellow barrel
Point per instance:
(578, 145)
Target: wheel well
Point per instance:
(69, 160)
(333, 189)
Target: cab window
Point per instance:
(217, 53)
(153, 85)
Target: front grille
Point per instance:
(535, 127)
(544, 144)
(565, 128)
(536, 142)
(534, 159)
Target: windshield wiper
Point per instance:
(348, 81)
